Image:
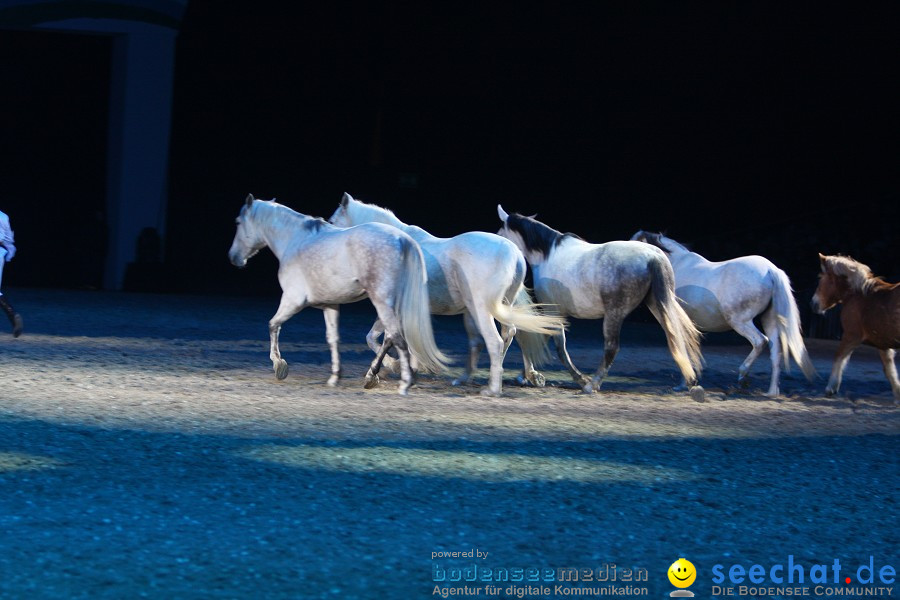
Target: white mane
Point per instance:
(670, 245)
(363, 212)
(858, 275)
(278, 215)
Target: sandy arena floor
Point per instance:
(146, 450)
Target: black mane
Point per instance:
(537, 236)
(314, 224)
(653, 240)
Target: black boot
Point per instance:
(14, 317)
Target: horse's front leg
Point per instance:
(845, 349)
(582, 380)
(890, 369)
(286, 309)
(534, 348)
(332, 314)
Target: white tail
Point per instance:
(414, 312)
(789, 333)
(533, 343)
(682, 335)
(525, 315)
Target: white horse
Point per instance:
(481, 276)
(324, 266)
(608, 281)
(720, 296)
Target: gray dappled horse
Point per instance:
(608, 281)
(324, 266)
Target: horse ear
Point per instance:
(822, 261)
(502, 213)
(249, 199)
(345, 199)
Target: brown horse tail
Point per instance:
(682, 335)
(789, 332)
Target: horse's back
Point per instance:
(626, 258)
(877, 314)
(341, 265)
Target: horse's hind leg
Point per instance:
(331, 315)
(753, 335)
(582, 380)
(476, 343)
(287, 309)
(372, 379)
(612, 327)
(890, 369)
(770, 325)
(496, 348)
(392, 337)
(372, 341)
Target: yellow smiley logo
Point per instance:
(682, 573)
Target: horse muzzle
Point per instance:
(816, 306)
(237, 260)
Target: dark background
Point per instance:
(759, 129)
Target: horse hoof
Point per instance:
(281, 369)
(698, 394)
(489, 393)
(829, 392)
(371, 381)
(743, 381)
(537, 379)
(587, 389)
(333, 380)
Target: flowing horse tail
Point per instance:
(532, 326)
(682, 335)
(787, 316)
(414, 312)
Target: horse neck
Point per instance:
(280, 227)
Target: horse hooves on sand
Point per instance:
(281, 369)
(698, 394)
(372, 381)
(537, 379)
(333, 380)
(489, 393)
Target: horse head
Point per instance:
(247, 240)
(832, 288)
(341, 216)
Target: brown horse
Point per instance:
(870, 315)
